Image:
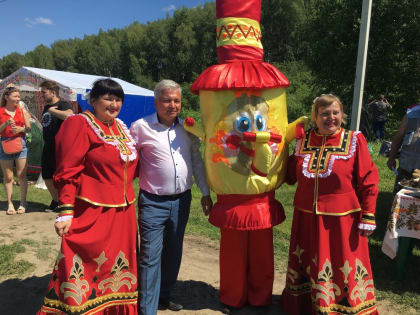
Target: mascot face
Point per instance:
(239, 126)
(245, 114)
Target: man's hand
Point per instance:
(206, 204)
(62, 227)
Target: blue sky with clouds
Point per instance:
(25, 24)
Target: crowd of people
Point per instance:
(104, 267)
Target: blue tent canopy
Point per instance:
(134, 107)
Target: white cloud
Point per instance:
(39, 20)
(170, 8)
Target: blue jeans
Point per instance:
(379, 129)
(162, 221)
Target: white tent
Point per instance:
(138, 101)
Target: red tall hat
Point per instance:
(239, 51)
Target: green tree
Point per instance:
(63, 52)
(281, 21)
(393, 57)
(300, 93)
(11, 63)
(40, 57)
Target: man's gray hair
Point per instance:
(166, 85)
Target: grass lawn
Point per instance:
(402, 294)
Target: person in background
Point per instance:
(408, 139)
(54, 113)
(14, 123)
(379, 109)
(96, 269)
(329, 269)
(169, 158)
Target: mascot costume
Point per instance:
(246, 135)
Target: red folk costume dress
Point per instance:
(329, 269)
(96, 269)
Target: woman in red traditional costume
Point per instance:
(96, 270)
(14, 124)
(329, 268)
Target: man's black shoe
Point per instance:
(53, 207)
(169, 305)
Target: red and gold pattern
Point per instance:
(335, 173)
(329, 268)
(238, 31)
(320, 159)
(96, 270)
(103, 274)
(102, 158)
(335, 278)
(120, 139)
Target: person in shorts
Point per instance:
(14, 124)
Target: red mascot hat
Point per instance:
(239, 51)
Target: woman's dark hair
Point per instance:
(106, 86)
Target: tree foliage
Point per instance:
(393, 63)
(314, 42)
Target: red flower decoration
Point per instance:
(189, 121)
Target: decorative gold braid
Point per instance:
(118, 298)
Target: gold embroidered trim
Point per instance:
(105, 204)
(119, 275)
(110, 304)
(339, 214)
(300, 289)
(328, 213)
(367, 307)
(66, 205)
(78, 289)
(123, 141)
(320, 157)
(120, 298)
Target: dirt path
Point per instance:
(197, 288)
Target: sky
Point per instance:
(25, 24)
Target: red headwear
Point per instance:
(239, 51)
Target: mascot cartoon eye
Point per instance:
(243, 123)
(259, 122)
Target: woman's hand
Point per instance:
(366, 229)
(63, 227)
(365, 233)
(17, 129)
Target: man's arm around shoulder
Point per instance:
(61, 111)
